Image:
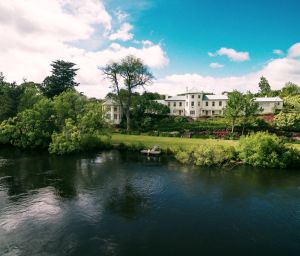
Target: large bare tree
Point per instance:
(127, 75)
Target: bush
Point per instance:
(71, 140)
(205, 155)
(266, 150)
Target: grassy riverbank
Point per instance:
(168, 142)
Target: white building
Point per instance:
(197, 104)
(112, 111)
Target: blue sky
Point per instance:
(211, 45)
(189, 29)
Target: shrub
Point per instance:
(205, 155)
(266, 150)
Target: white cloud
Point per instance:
(216, 65)
(277, 51)
(38, 32)
(277, 71)
(294, 51)
(232, 54)
(121, 16)
(123, 33)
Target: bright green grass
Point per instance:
(169, 142)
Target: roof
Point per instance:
(160, 101)
(215, 97)
(109, 101)
(268, 99)
(176, 98)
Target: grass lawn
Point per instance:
(168, 142)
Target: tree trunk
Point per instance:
(128, 121)
(232, 127)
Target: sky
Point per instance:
(214, 46)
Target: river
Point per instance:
(121, 203)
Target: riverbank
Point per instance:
(168, 142)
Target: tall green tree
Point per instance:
(234, 107)
(290, 89)
(264, 86)
(249, 110)
(129, 74)
(62, 78)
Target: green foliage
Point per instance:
(287, 121)
(68, 104)
(129, 74)
(67, 141)
(266, 150)
(250, 109)
(30, 96)
(292, 103)
(290, 89)
(31, 128)
(71, 139)
(264, 86)
(234, 107)
(9, 98)
(61, 79)
(205, 155)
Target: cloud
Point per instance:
(216, 65)
(232, 54)
(121, 16)
(294, 51)
(277, 71)
(277, 51)
(37, 34)
(123, 33)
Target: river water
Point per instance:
(117, 203)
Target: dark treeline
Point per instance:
(50, 115)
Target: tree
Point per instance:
(290, 89)
(30, 96)
(128, 74)
(68, 104)
(62, 78)
(234, 107)
(264, 86)
(249, 109)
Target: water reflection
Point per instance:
(120, 203)
(126, 202)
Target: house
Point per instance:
(112, 110)
(195, 104)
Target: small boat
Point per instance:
(154, 151)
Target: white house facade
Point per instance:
(195, 104)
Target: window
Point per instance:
(180, 111)
(206, 103)
(198, 104)
(213, 112)
(199, 96)
(180, 104)
(187, 96)
(220, 103)
(213, 103)
(192, 103)
(168, 104)
(115, 109)
(174, 104)
(192, 112)
(206, 112)
(193, 96)
(115, 116)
